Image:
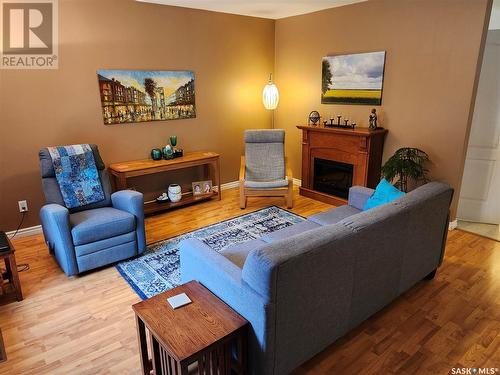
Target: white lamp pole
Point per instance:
(270, 96)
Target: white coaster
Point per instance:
(179, 300)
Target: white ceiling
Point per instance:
(258, 8)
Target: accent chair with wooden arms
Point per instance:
(262, 171)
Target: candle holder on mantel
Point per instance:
(339, 124)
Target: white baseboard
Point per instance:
(230, 185)
(453, 224)
(235, 184)
(25, 232)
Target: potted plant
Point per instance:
(407, 164)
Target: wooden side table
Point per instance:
(13, 287)
(206, 335)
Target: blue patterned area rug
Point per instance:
(157, 270)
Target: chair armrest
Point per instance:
(242, 169)
(358, 195)
(57, 232)
(289, 174)
(132, 202)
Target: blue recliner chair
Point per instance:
(94, 235)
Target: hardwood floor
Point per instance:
(85, 325)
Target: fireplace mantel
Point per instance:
(360, 147)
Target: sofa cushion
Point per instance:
(289, 231)
(99, 224)
(384, 193)
(238, 253)
(334, 215)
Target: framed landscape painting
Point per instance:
(353, 79)
(137, 95)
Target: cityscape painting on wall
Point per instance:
(138, 95)
(353, 79)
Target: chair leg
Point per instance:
(289, 196)
(243, 198)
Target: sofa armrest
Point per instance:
(57, 231)
(132, 202)
(199, 262)
(223, 278)
(358, 195)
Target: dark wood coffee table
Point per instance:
(206, 334)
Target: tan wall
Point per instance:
(230, 55)
(432, 53)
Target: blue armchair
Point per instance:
(94, 235)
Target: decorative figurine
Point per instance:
(325, 123)
(338, 119)
(168, 153)
(373, 120)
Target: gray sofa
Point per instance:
(305, 286)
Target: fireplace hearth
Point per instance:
(332, 177)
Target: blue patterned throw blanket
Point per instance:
(76, 174)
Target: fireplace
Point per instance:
(332, 177)
(333, 160)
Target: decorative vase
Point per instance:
(168, 153)
(156, 154)
(174, 192)
(173, 140)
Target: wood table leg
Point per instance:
(143, 346)
(121, 182)
(14, 276)
(217, 173)
(155, 354)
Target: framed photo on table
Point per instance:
(202, 187)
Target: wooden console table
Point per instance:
(125, 170)
(205, 336)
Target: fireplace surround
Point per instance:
(334, 159)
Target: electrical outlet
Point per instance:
(23, 206)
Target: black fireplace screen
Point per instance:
(332, 177)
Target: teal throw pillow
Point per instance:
(384, 193)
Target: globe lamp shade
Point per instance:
(270, 95)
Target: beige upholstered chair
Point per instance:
(262, 172)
